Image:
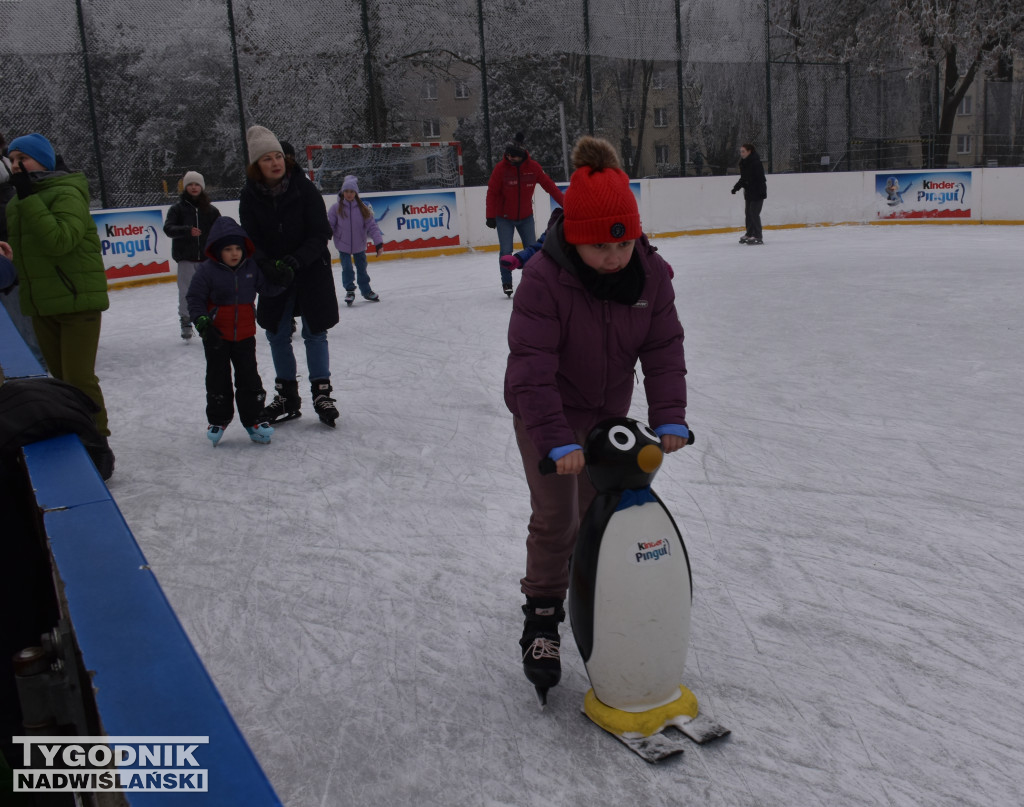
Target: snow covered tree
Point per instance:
(628, 84)
(164, 100)
(951, 40)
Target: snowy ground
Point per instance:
(852, 509)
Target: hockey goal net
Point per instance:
(386, 166)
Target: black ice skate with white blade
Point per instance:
(286, 403)
(323, 403)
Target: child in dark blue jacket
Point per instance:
(222, 304)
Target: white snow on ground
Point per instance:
(852, 509)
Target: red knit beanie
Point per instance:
(599, 206)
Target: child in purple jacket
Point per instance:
(592, 302)
(353, 224)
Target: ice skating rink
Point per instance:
(853, 511)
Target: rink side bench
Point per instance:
(146, 678)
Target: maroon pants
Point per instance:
(557, 502)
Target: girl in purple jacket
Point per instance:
(353, 224)
(592, 302)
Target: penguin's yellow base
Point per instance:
(641, 724)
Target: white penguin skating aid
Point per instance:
(629, 599)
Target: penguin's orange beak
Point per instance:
(649, 459)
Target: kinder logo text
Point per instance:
(652, 550)
(424, 217)
(129, 240)
(111, 764)
(940, 192)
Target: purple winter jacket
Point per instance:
(572, 356)
(351, 230)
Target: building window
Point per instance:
(631, 120)
(966, 106)
(660, 116)
(432, 127)
(658, 81)
(430, 90)
(964, 144)
(461, 90)
(661, 155)
(431, 165)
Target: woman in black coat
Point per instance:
(755, 191)
(285, 216)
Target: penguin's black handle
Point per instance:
(547, 465)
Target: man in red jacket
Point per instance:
(510, 200)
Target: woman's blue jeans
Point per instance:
(317, 359)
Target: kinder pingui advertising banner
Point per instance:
(133, 243)
(416, 220)
(923, 195)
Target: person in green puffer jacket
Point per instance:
(57, 253)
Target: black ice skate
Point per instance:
(323, 403)
(540, 644)
(507, 288)
(186, 328)
(286, 403)
(350, 296)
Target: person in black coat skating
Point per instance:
(285, 216)
(187, 224)
(755, 191)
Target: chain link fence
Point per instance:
(137, 92)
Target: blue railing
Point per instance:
(146, 678)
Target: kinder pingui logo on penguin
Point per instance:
(652, 551)
(129, 240)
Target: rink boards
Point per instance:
(148, 682)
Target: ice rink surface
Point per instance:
(853, 511)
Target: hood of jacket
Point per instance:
(225, 227)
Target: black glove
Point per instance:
(278, 272)
(292, 262)
(734, 190)
(492, 223)
(208, 331)
(22, 183)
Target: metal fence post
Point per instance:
(586, 57)
(92, 105)
(679, 91)
(849, 119)
(238, 81)
(768, 84)
(375, 134)
(483, 80)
